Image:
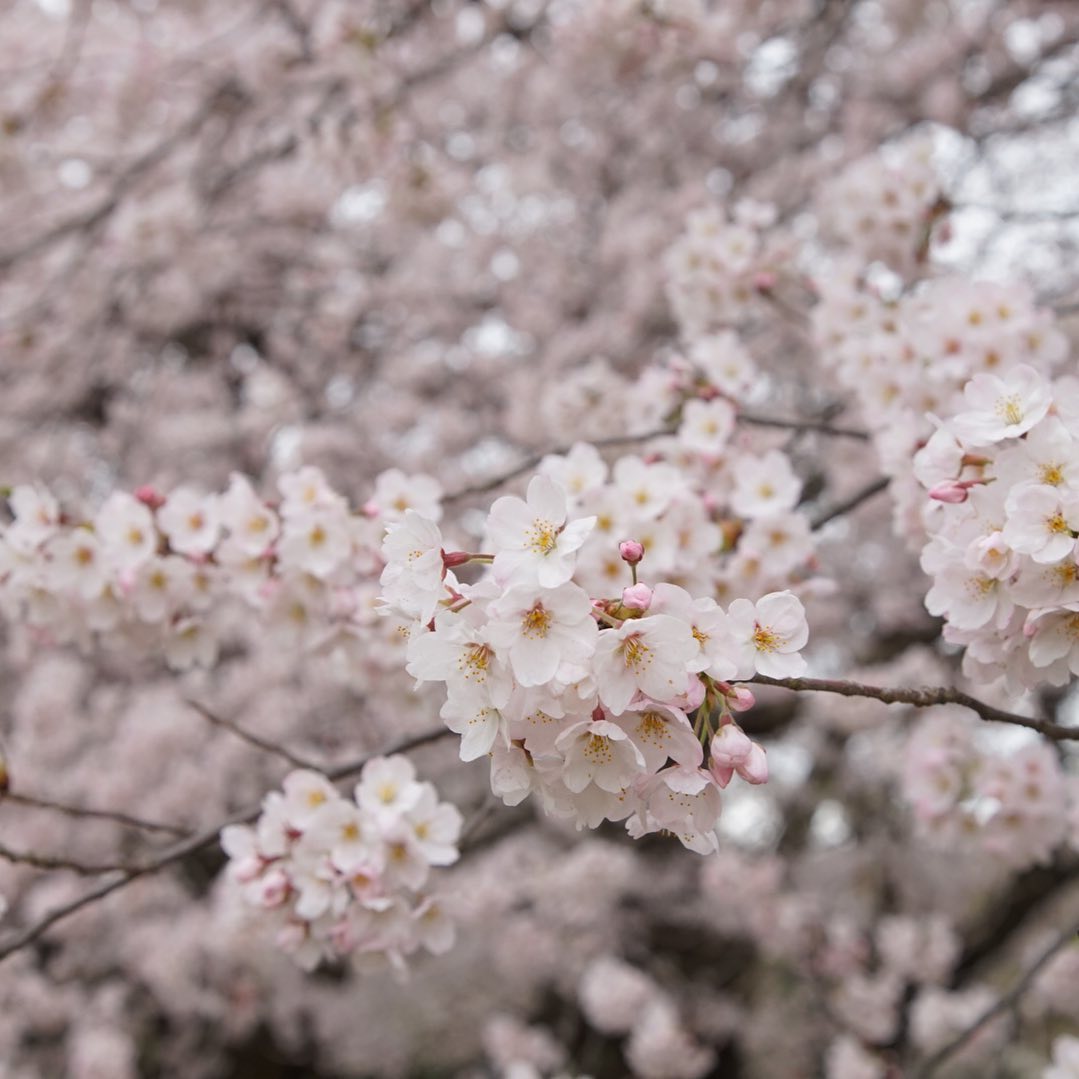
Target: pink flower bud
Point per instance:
(949, 491)
(150, 496)
(638, 597)
(740, 699)
(631, 551)
(371, 508)
(452, 559)
(731, 745)
(764, 280)
(754, 769)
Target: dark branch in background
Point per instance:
(227, 95)
(926, 697)
(1009, 1000)
(855, 500)
(48, 861)
(614, 441)
(125, 819)
(188, 847)
(252, 739)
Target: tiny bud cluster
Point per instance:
(339, 878)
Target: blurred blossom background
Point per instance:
(444, 237)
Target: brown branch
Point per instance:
(250, 738)
(188, 847)
(855, 500)
(1008, 1000)
(94, 814)
(48, 861)
(750, 418)
(818, 426)
(531, 462)
(925, 697)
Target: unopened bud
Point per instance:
(150, 496)
(949, 491)
(740, 699)
(632, 551)
(638, 597)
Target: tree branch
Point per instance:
(95, 814)
(252, 739)
(1008, 1000)
(855, 500)
(925, 697)
(48, 861)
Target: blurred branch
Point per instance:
(252, 739)
(855, 500)
(46, 861)
(926, 697)
(93, 814)
(750, 418)
(1007, 1001)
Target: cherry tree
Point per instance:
(573, 499)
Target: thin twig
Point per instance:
(750, 418)
(925, 697)
(48, 861)
(95, 814)
(855, 500)
(531, 462)
(188, 847)
(252, 739)
(1009, 1000)
(818, 426)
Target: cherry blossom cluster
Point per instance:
(155, 572)
(910, 357)
(1003, 520)
(884, 211)
(336, 877)
(1012, 804)
(720, 264)
(716, 508)
(584, 697)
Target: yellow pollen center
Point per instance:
(1009, 410)
(542, 537)
(598, 749)
(765, 639)
(474, 661)
(1052, 475)
(315, 798)
(536, 622)
(1056, 524)
(636, 654)
(351, 831)
(317, 536)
